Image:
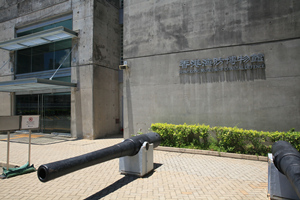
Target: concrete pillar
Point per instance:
(95, 102)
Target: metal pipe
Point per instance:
(29, 147)
(7, 157)
(128, 147)
(5, 63)
(62, 62)
(287, 161)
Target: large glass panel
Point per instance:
(66, 24)
(24, 61)
(57, 112)
(44, 57)
(62, 49)
(27, 104)
(54, 110)
(65, 79)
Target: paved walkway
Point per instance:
(176, 175)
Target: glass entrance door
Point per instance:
(54, 110)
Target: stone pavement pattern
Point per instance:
(176, 175)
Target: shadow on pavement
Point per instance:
(119, 184)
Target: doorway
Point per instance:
(54, 110)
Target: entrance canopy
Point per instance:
(33, 84)
(39, 38)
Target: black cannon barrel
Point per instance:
(128, 147)
(287, 161)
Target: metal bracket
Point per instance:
(139, 164)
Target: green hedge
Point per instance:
(226, 139)
(182, 135)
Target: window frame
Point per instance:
(45, 73)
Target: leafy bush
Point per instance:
(195, 136)
(292, 137)
(238, 140)
(227, 139)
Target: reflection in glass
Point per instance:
(62, 49)
(24, 61)
(27, 104)
(44, 57)
(54, 110)
(57, 112)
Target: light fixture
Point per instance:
(124, 66)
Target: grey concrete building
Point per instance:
(221, 63)
(75, 44)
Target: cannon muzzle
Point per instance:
(128, 147)
(287, 161)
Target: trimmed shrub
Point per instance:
(227, 139)
(237, 140)
(195, 136)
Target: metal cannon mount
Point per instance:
(284, 171)
(139, 149)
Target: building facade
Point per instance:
(221, 63)
(75, 46)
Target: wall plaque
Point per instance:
(255, 61)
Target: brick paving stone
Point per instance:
(177, 175)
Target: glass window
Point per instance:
(44, 57)
(66, 24)
(24, 61)
(62, 49)
(54, 110)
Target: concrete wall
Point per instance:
(94, 103)
(82, 112)
(159, 34)
(12, 9)
(106, 55)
